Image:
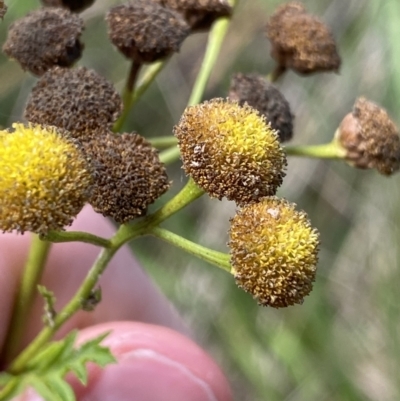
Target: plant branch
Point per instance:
(330, 150)
(77, 236)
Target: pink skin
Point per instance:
(156, 359)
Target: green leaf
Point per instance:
(47, 370)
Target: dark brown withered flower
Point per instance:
(73, 5)
(45, 38)
(146, 31)
(199, 14)
(260, 94)
(78, 100)
(129, 175)
(370, 138)
(301, 41)
(3, 9)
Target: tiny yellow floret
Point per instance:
(274, 252)
(44, 179)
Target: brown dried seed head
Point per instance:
(301, 41)
(129, 175)
(3, 9)
(72, 5)
(45, 38)
(78, 100)
(260, 94)
(230, 151)
(145, 31)
(274, 252)
(370, 138)
(199, 14)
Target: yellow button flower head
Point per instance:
(44, 179)
(230, 151)
(274, 252)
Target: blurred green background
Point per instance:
(343, 343)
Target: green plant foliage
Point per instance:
(47, 370)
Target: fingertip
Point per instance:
(154, 363)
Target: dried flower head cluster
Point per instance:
(260, 94)
(78, 100)
(45, 38)
(145, 31)
(45, 179)
(129, 175)
(72, 5)
(199, 14)
(3, 9)
(230, 151)
(274, 252)
(301, 41)
(370, 138)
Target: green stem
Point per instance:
(219, 259)
(278, 71)
(130, 98)
(32, 273)
(170, 155)
(77, 236)
(163, 141)
(215, 39)
(73, 305)
(330, 150)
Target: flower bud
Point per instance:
(72, 5)
(230, 151)
(45, 179)
(129, 175)
(45, 38)
(145, 31)
(199, 14)
(274, 252)
(260, 94)
(370, 138)
(78, 100)
(301, 41)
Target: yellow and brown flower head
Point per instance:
(72, 5)
(301, 41)
(260, 94)
(274, 252)
(370, 138)
(45, 38)
(230, 151)
(146, 31)
(45, 179)
(199, 14)
(78, 100)
(129, 175)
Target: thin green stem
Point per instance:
(215, 39)
(73, 305)
(77, 236)
(277, 73)
(216, 258)
(32, 273)
(330, 150)
(170, 155)
(163, 141)
(129, 100)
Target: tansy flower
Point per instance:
(129, 175)
(273, 252)
(44, 179)
(199, 14)
(78, 100)
(45, 38)
(260, 94)
(3, 9)
(301, 41)
(370, 138)
(230, 151)
(145, 31)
